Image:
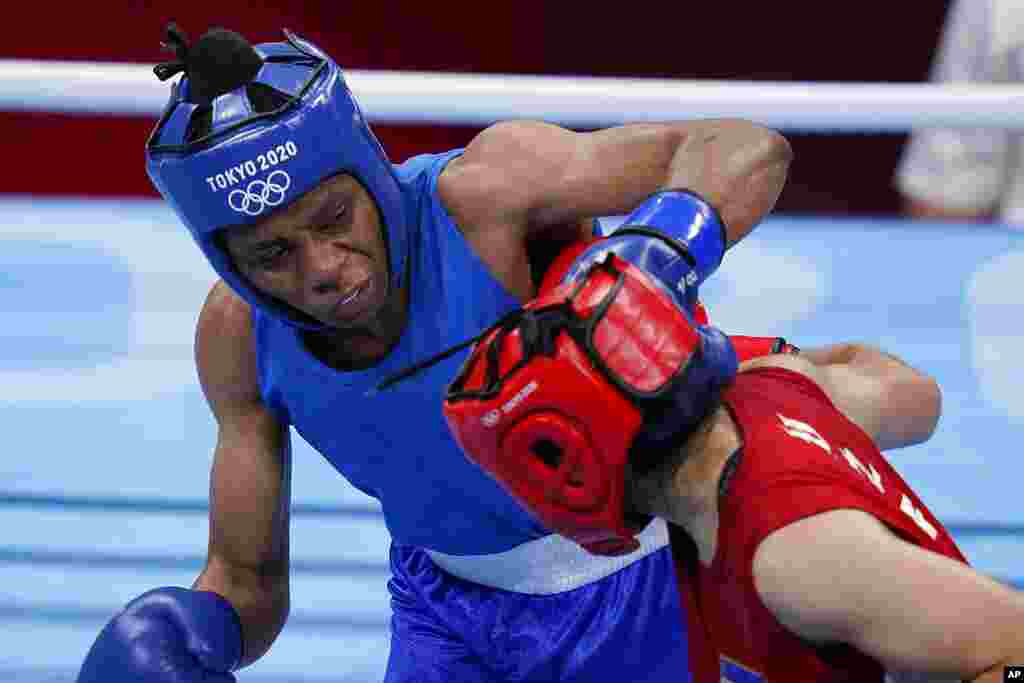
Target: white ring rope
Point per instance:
(576, 101)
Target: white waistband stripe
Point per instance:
(548, 565)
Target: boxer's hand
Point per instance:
(168, 635)
(674, 236)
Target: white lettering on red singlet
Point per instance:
(805, 432)
(919, 519)
(868, 470)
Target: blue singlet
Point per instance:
(395, 445)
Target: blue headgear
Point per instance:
(252, 163)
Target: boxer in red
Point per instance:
(802, 554)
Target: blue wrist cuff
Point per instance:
(688, 219)
(211, 624)
(232, 620)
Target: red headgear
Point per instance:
(551, 399)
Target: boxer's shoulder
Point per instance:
(225, 349)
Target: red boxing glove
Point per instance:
(748, 348)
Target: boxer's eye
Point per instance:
(269, 256)
(548, 451)
(340, 221)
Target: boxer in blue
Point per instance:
(339, 269)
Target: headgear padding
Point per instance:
(245, 163)
(554, 398)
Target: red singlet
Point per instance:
(800, 457)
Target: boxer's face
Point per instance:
(324, 255)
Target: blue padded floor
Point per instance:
(103, 485)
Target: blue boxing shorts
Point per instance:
(544, 611)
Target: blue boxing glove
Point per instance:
(168, 635)
(674, 236)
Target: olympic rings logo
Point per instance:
(260, 194)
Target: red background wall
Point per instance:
(733, 39)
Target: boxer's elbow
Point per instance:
(916, 405)
(762, 147)
(931, 402)
(755, 166)
(896, 404)
(769, 157)
(774, 155)
(777, 146)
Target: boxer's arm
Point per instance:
(843, 576)
(894, 403)
(529, 175)
(250, 480)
